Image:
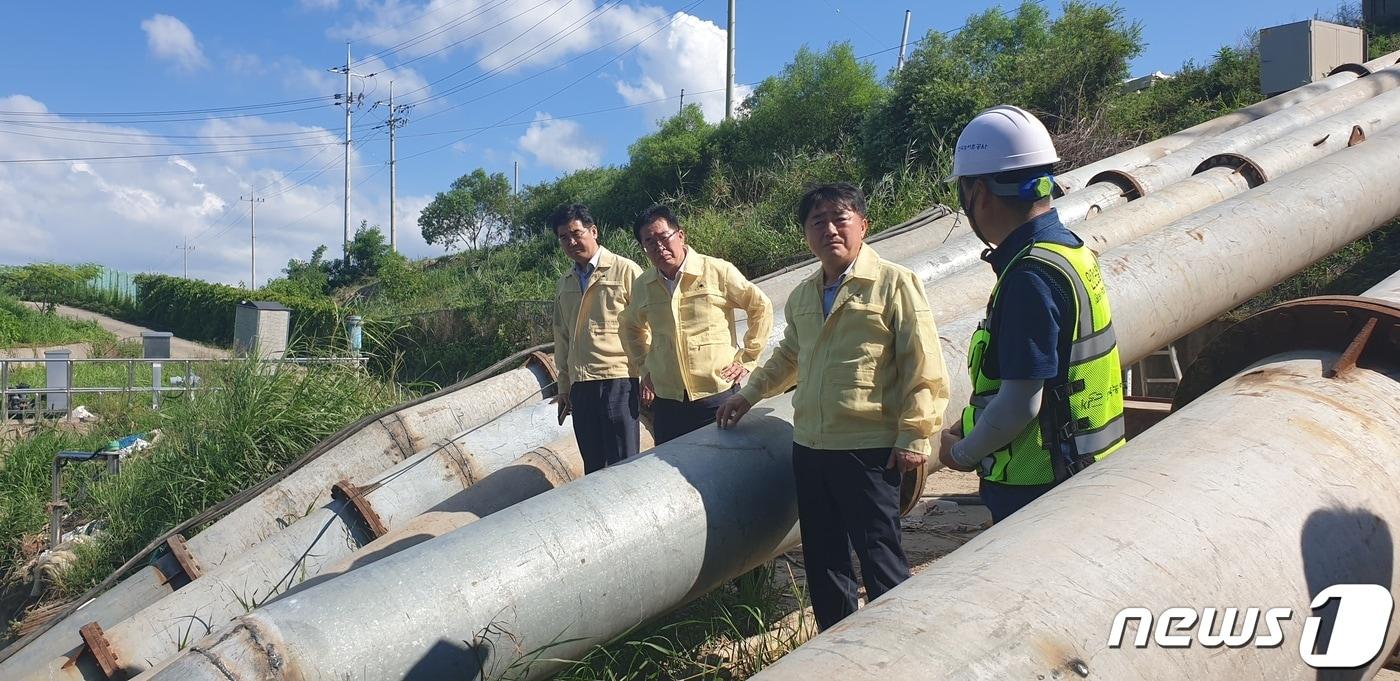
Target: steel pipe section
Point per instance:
(1081, 177)
(548, 576)
(363, 451)
(332, 532)
(1114, 186)
(553, 575)
(1221, 178)
(1270, 488)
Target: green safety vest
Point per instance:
(1087, 409)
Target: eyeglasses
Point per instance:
(653, 244)
(571, 236)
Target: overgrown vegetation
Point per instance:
(248, 422)
(21, 325)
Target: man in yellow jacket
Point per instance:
(596, 382)
(686, 304)
(861, 347)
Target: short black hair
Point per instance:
(650, 215)
(843, 193)
(568, 212)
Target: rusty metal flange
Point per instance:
(1366, 331)
(347, 491)
(183, 556)
(1132, 189)
(96, 641)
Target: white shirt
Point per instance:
(671, 283)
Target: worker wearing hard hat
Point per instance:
(1047, 396)
(861, 347)
(679, 330)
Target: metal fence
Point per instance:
(55, 399)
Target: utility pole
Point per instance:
(252, 243)
(682, 106)
(903, 41)
(346, 100)
(187, 248)
(396, 121)
(729, 78)
(515, 189)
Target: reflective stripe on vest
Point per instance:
(1087, 411)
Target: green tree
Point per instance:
(593, 187)
(1064, 70)
(816, 103)
(476, 211)
(1194, 95)
(308, 278)
(46, 282)
(668, 161)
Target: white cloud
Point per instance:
(130, 215)
(688, 54)
(245, 64)
(560, 144)
(319, 4)
(169, 38)
(506, 36)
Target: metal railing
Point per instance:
(56, 400)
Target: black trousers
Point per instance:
(674, 418)
(847, 499)
(605, 421)
(1003, 500)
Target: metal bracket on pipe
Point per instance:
(96, 642)
(1132, 189)
(1365, 331)
(544, 361)
(348, 492)
(184, 557)
(1360, 70)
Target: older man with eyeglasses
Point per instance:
(679, 327)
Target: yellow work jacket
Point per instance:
(870, 375)
(586, 342)
(692, 331)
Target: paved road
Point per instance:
(179, 347)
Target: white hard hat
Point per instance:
(1000, 139)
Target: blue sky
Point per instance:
(491, 82)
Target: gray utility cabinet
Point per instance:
(261, 326)
(1293, 55)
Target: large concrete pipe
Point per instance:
(1261, 122)
(554, 575)
(357, 452)
(1080, 177)
(1221, 177)
(1273, 486)
(1115, 187)
(356, 515)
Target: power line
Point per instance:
(547, 70)
(199, 118)
(242, 107)
(130, 157)
(570, 85)
(438, 31)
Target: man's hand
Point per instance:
(565, 406)
(733, 409)
(905, 460)
(648, 392)
(946, 440)
(734, 373)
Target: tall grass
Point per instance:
(248, 421)
(24, 327)
(731, 633)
